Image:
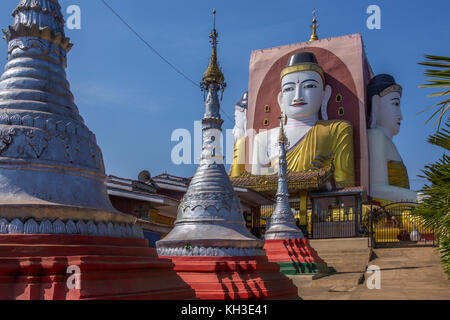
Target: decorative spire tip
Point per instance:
(314, 27)
(213, 75)
(282, 139)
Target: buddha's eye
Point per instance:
(397, 104)
(288, 89)
(309, 85)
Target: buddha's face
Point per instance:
(302, 94)
(389, 115)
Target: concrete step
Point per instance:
(348, 280)
(341, 244)
(344, 254)
(301, 281)
(340, 252)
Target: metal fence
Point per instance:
(335, 223)
(388, 226)
(343, 222)
(395, 225)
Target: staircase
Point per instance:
(347, 259)
(344, 254)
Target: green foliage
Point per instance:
(441, 139)
(435, 208)
(438, 78)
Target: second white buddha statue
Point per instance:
(388, 175)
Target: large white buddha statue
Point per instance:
(240, 133)
(240, 117)
(388, 175)
(314, 141)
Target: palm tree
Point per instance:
(435, 208)
(439, 78)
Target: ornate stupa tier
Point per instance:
(34, 79)
(39, 18)
(210, 220)
(48, 156)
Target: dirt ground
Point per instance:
(413, 273)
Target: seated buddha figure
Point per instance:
(239, 133)
(314, 141)
(388, 176)
(240, 117)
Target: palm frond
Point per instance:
(437, 78)
(437, 94)
(433, 57)
(435, 64)
(441, 138)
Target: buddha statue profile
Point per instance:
(388, 176)
(314, 141)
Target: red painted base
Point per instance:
(297, 250)
(223, 278)
(35, 267)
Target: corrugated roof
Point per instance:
(307, 180)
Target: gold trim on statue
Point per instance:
(303, 67)
(393, 88)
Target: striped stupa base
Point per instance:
(295, 256)
(80, 267)
(234, 278)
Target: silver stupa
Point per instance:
(282, 223)
(210, 220)
(51, 168)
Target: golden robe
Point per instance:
(397, 177)
(327, 141)
(238, 165)
(397, 174)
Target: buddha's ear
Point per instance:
(280, 101)
(374, 113)
(245, 121)
(326, 98)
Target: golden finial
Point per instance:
(314, 27)
(213, 74)
(281, 136)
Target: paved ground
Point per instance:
(406, 273)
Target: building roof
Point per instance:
(150, 192)
(171, 182)
(359, 190)
(130, 184)
(311, 180)
(142, 191)
(251, 197)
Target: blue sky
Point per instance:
(133, 101)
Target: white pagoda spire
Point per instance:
(282, 223)
(210, 220)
